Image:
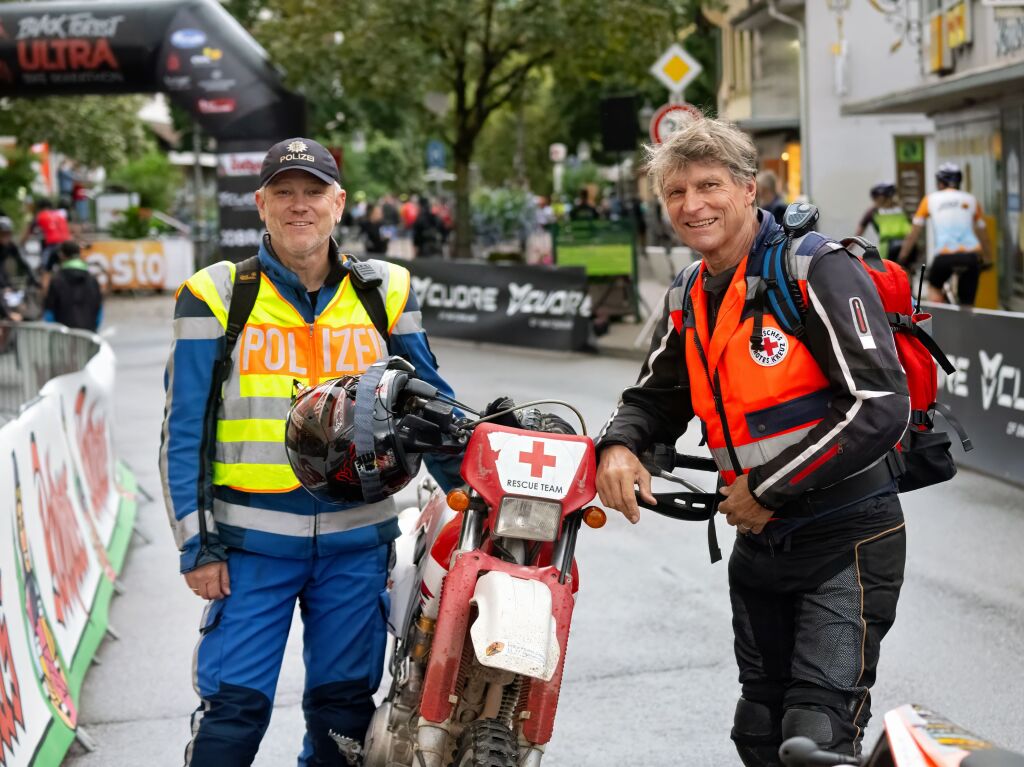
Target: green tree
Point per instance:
(483, 53)
(387, 164)
(15, 180)
(94, 130)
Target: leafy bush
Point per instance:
(16, 176)
(152, 176)
(137, 224)
(500, 215)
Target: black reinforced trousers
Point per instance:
(809, 614)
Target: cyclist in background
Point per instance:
(888, 219)
(960, 244)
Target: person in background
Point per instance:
(582, 210)
(74, 297)
(768, 196)
(13, 266)
(51, 225)
(961, 244)
(370, 228)
(409, 212)
(888, 219)
(390, 220)
(428, 232)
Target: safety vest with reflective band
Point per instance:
(276, 348)
(753, 403)
(891, 224)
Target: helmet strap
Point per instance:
(363, 418)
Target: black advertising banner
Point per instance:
(238, 177)
(193, 50)
(986, 391)
(543, 307)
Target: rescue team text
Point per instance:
(290, 350)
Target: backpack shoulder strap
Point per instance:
(690, 277)
(782, 294)
(367, 281)
(245, 288)
(863, 249)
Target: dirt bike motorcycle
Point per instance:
(477, 666)
(914, 737)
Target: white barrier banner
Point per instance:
(59, 549)
(29, 668)
(85, 400)
(66, 509)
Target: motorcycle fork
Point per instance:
(539, 699)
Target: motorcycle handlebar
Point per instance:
(686, 507)
(804, 752)
(692, 506)
(665, 458)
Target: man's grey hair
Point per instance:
(703, 140)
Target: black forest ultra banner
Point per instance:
(536, 306)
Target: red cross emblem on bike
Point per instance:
(537, 459)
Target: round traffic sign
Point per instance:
(671, 117)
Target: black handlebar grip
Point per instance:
(804, 752)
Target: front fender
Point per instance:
(514, 629)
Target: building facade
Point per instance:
(971, 83)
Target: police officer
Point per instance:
(268, 542)
(801, 428)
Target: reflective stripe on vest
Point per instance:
(770, 400)
(276, 348)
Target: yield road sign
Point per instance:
(671, 117)
(676, 68)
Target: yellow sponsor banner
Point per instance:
(128, 264)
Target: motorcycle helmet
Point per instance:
(6, 225)
(883, 189)
(340, 436)
(949, 173)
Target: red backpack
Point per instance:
(925, 451)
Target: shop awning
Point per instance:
(757, 125)
(958, 91)
(757, 15)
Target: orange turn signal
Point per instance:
(594, 517)
(458, 500)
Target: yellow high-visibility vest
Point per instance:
(276, 348)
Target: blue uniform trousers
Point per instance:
(343, 604)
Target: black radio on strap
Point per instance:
(366, 281)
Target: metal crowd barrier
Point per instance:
(31, 353)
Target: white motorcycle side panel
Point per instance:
(514, 629)
(403, 575)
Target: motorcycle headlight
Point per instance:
(528, 518)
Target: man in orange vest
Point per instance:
(802, 428)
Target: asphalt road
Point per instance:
(650, 679)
